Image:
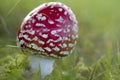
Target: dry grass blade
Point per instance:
(14, 6)
(4, 24)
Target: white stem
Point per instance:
(45, 65)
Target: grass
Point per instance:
(16, 67)
(96, 56)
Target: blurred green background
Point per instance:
(98, 21)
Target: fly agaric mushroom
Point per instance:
(50, 30)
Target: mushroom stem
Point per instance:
(45, 65)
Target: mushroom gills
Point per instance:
(45, 65)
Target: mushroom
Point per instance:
(49, 31)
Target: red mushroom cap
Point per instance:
(50, 29)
